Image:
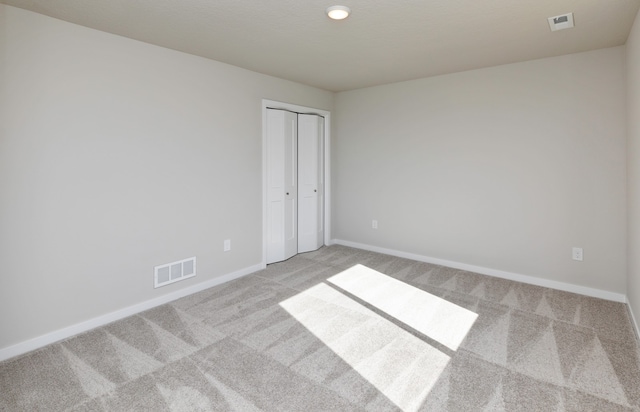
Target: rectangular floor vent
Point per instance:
(173, 272)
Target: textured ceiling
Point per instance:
(383, 41)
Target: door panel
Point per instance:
(282, 185)
(310, 182)
(295, 180)
(291, 187)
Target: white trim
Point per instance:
(567, 287)
(327, 167)
(634, 322)
(64, 333)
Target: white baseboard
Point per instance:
(634, 321)
(567, 287)
(61, 334)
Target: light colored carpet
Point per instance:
(342, 329)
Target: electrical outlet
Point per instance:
(227, 245)
(576, 254)
(374, 224)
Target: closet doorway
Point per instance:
(295, 144)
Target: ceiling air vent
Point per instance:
(564, 21)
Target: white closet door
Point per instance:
(310, 182)
(282, 185)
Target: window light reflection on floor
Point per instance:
(401, 366)
(437, 318)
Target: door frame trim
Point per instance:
(266, 103)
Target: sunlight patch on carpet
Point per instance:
(402, 367)
(430, 315)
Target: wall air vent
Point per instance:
(564, 21)
(173, 272)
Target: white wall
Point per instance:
(633, 169)
(505, 168)
(116, 156)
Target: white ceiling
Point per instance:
(383, 41)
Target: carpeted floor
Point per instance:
(342, 329)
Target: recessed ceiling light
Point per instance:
(338, 12)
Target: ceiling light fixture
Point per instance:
(338, 12)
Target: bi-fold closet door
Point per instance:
(295, 183)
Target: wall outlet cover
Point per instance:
(577, 254)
